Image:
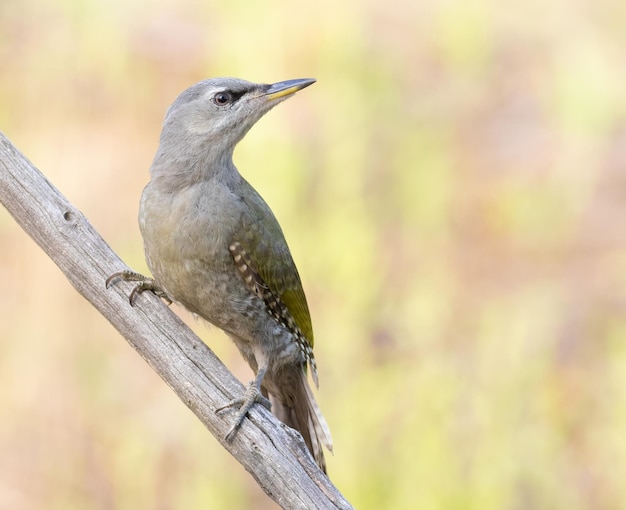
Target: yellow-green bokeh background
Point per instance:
(453, 190)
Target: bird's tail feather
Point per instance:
(305, 416)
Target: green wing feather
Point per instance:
(264, 242)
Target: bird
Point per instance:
(214, 246)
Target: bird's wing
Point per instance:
(263, 240)
(260, 246)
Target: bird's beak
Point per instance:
(286, 88)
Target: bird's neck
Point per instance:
(175, 170)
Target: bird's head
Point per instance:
(214, 115)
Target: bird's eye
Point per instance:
(222, 98)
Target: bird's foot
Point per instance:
(251, 396)
(144, 283)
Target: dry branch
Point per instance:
(273, 453)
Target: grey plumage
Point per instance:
(214, 245)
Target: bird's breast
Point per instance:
(186, 237)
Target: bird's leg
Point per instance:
(144, 283)
(251, 396)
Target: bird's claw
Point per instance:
(251, 396)
(144, 283)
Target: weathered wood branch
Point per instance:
(273, 453)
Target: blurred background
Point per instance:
(453, 190)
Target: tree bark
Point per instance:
(272, 452)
